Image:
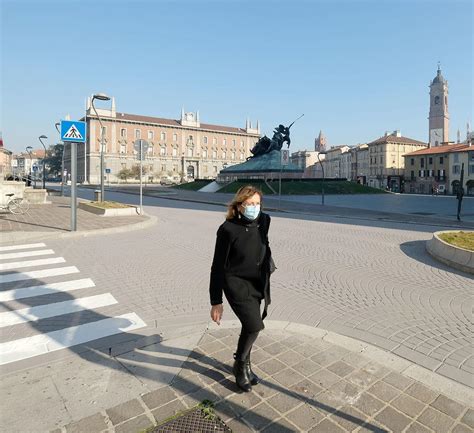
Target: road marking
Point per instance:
(29, 263)
(32, 275)
(34, 314)
(56, 340)
(25, 254)
(46, 289)
(21, 247)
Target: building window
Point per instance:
(430, 160)
(233, 155)
(190, 152)
(215, 168)
(241, 156)
(150, 135)
(162, 151)
(456, 169)
(123, 148)
(123, 133)
(190, 138)
(224, 142)
(241, 143)
(175, 168)
(214, 140)
(138, 133)
(175, 151)
(422, 162)
(441, 160)
(204, 140)
(471, 169)
(163, 136)
(224, 154)
(205, 169)
(175, 137)
(204, 153)
(233, 142)
(412, 175)
(456, 157)
(150, 149)
(163, 168)
(214, 154)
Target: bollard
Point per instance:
(97, 195)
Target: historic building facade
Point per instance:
(184, 149)
(438, 169)
(386, 162)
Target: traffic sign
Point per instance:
(141, 147)
(35, 168)
(73, 131)
(108, 170)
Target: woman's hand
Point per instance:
(216, 313)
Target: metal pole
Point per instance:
(322, 186)
(102, 186)
(73, 187)
(279, 185)
(141, 171)
(62, 171)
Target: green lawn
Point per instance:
(305, 187)
(459, 239)
(193, 186)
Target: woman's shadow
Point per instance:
(149, 358)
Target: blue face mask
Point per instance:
(252, 212)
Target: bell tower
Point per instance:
(439, 117)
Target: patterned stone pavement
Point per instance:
(309, 385)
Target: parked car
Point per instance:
(165, 180)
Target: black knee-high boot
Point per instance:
(241, 367)
(254, 379)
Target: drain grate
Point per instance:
(192, 422)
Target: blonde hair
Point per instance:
(241, 195)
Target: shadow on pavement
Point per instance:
(100, 351)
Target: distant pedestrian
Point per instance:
(241, 270)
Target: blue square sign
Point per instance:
(73, 131)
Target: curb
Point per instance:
(18, 237)
(443, 385)
(455, 257)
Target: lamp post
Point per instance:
(57, 125)
(28, 150)
(41, 138)
(322, 183)
(100, 97)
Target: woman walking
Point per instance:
(241, 270)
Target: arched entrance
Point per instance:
(470, 187)
(190, 172)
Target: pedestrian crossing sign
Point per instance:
(73, 131)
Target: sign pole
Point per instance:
(73, 187)
(141, 171)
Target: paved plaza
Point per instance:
(363, 278)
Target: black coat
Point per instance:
(240, 267)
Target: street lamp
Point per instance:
(322, 169)
(57, 125)
(100, 97)
(41, 138)
(28, 150)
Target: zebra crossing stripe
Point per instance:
(32, 275)
(22, 247)
(39, 312)
(28, 347)
(45, 289)
(30, 263)
(25, 254)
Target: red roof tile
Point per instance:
(448, 148)
(176, 123)
(394, 139)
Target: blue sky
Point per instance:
(354, 68)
